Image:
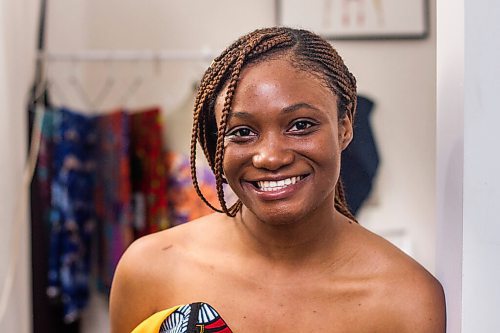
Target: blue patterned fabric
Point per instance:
(72, 218)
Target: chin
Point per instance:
(279, 215)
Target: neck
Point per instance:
(312, 237)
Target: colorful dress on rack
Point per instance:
(72, 218)
(112, 193)
(185, 205)
(148, 172)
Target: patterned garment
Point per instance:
(112, 193)
(148, 172)
(185, 205)
(72, 218)
(192, 318)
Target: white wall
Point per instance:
(481, 220)
(17, 43)
(450, 158)
(468, 163)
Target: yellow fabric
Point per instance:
(153, 323)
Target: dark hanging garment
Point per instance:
(360, 159)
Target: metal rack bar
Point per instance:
(128, 55)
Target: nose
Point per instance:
(272, 155)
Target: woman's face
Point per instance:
(283, 142)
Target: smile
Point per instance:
(276, 185)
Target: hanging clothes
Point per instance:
(112, 193)
(44, 163)
(148, 172)
(72, 219)
(185, 205)
(360, 159)
(91, 172)
(47, 314)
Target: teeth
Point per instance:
(272, 185)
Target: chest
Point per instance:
(256, 306)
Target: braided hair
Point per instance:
(306, 51)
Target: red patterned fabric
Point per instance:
(148, 171)
(112, 192)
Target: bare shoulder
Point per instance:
(412, 298)
(141, 280)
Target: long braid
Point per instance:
(219, 152)
(207, 88)
(341, 202)
(308, 52)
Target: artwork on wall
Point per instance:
(357, 19)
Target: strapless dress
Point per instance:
(191, 318)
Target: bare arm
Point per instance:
(423, 308)
(130, 302)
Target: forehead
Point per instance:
(279, 83)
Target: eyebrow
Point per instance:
(287, 109)
(299, 106)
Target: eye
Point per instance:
(301, 125)
(240, 134)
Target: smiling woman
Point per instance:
(273, 113)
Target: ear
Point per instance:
(345, 132)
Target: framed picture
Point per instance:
(357, 19)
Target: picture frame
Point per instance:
(357, 19)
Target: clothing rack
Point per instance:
(202, 56)
(128, 55)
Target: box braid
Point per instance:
(306, 51)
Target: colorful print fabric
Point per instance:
(72, 218)
(194, 318)
(185, 205)
(148, 172)
(191, 318)
(112, 193)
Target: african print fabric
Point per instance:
(185, 204)
(112, 193)
(72, 216)
(148, 172)
(191, 318)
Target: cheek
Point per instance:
(323, 147)
(234, 159)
